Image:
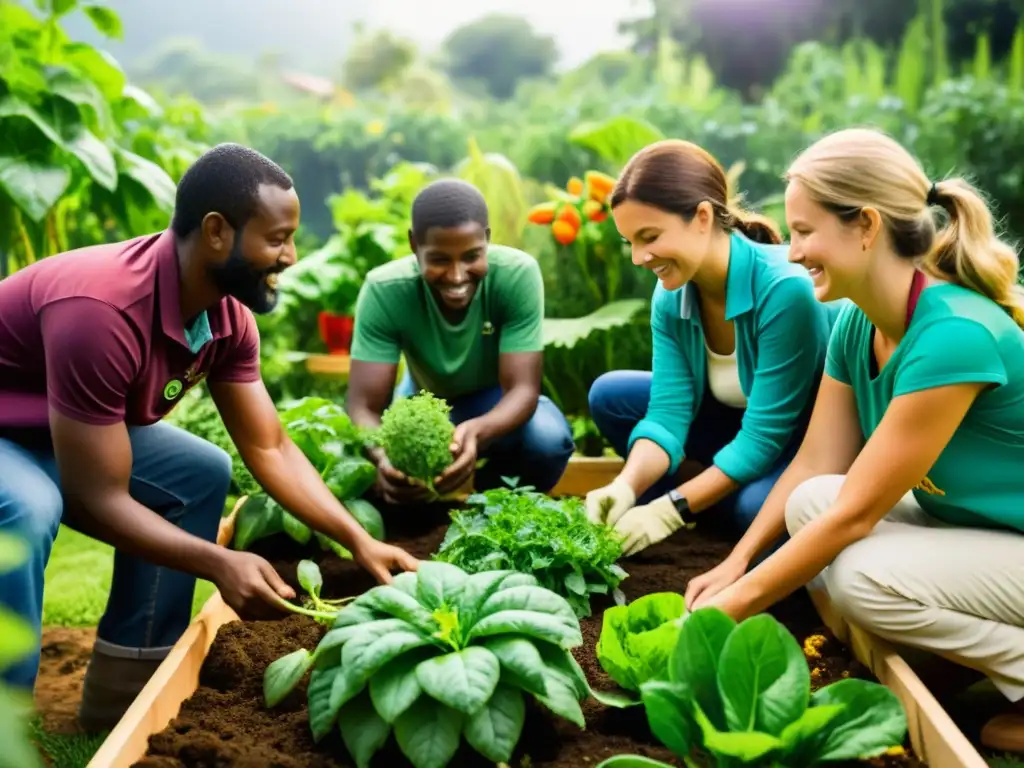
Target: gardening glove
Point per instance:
(648, 524)
(608, 504)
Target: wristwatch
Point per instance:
(682, 507)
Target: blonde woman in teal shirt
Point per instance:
(906, 499)
(739, 346)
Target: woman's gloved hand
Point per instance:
(608, 504)
(648, 524)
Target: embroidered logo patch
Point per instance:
(172, 389)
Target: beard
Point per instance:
(237, 278)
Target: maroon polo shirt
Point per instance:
(97, 334)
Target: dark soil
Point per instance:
(224, 724)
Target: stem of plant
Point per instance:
(306, 611)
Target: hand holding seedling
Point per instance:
(464, 453)
(396, 487)
(250, 585)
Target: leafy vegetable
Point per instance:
(436, 656)
(314, 606)
(416, 435)
(638, 639)
(533, 533)
(333, 444)
(740, 693)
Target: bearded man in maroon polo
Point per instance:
(97, 345)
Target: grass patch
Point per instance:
(78, 581)
(65, 750)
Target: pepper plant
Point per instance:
(437, 656)
(739, 694)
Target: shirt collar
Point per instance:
(168, 278)
(739, 296)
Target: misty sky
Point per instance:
(316, 33)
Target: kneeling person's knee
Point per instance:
(810, 499)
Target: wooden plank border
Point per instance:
(935, 737)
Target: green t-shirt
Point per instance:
(955, 336)
(396, 313)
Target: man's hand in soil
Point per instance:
(250, 585)
(396, 487)
(380, 559)
(464, 450)
(703, 588)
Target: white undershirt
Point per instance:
(724, 379)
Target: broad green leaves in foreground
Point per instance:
(437, 656)
(741, 694)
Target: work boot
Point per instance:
(114, 678)
(1005, 732)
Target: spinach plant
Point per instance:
(531, 532)
(416, 435)
(436, 656)
(739, 694)
(638, 639)
(333, 444)
(314, 606)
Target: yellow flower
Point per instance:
(897, 750)
(375, 127)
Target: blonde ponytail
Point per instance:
(860, 168)
(968, 252)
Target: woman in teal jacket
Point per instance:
(739, 347)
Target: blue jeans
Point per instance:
(618, 401)
(537, 452)
(176, 474)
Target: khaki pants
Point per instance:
(957, 592)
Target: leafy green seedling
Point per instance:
(311, 580)
(416, 435)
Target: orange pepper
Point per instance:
(569, 214)
(595, 211)
(599, 185)
(542, 214)
(575, 186)
(564, 232)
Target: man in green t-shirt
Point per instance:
(468, 317)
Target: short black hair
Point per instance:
(226, 180)
(447, 203)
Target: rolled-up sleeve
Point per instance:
(791, 338)
(670, 411)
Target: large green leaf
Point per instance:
(696, 659)
(539, 625)
(463, 680)
(15, 708)
(105, 20)
(567, 332)
(616, 139)
(35, 187)
(394, 602)
(260, 516)
(495, 729)
(746, 746)
(362, 729)
(13, 107)
(872, 720)
(762, 676)
(321, 714)
(85, 95)
(297, 530)
(282, 675)
(395, 687)
(669, 714)
(561, 697)
(97, 65)
(632, 761)
(149, 176)
(520, 661)
(13, 551)
(536, 599)
(363, 655)
(439, 584)
(428, 733)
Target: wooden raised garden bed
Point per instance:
(204, 705)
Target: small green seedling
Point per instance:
(311, 580)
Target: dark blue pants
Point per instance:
(537, 452)
(174, 473)
(618, 401)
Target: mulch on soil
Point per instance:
(225, 723)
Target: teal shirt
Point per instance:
(955, 336)
(782, 334)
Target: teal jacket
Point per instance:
(782, 334)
